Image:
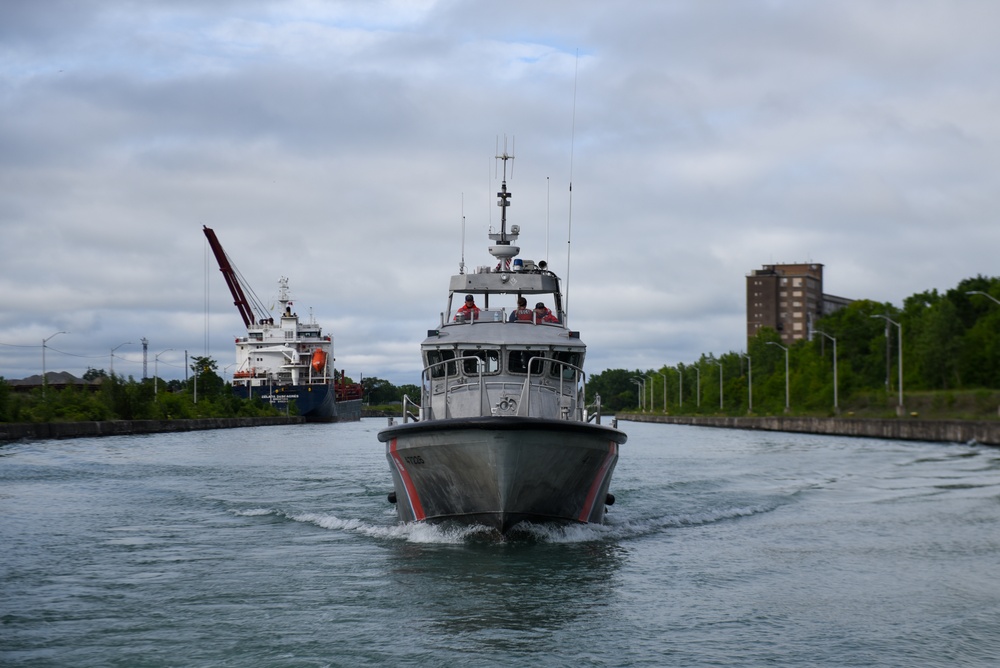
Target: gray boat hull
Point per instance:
(500, 471)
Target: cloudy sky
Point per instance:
(340, 144)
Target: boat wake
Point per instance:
(615, 528)
(624, 527)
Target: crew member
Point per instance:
(468, 310)
(543, 314)
(522, 313)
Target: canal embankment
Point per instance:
(16, 431)
(950, 431)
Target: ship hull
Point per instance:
(500, 471)
(316, 403)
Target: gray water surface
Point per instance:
(275, 546)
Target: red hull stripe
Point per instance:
(588, 505)
(411, 491)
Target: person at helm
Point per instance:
(468, 310)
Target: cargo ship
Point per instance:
(285, 361)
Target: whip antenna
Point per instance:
(572, 140)
(461, 264)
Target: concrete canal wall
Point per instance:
(952, 431)
(45, 430)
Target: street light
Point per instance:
(773, 343)
(44, 341)
(680, 388)
(156, 371)
(664, 391)
(899, 327)
(985, 294)
(750, 381)
(697, 386)
(836, 407)
(652, 390)
(720, 383)
(127, 343)
(641, 386)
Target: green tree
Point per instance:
(210, 384)
(378, 391)
(615, 387)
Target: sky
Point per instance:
(350, 147)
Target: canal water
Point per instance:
(275, 546)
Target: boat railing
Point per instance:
(483, 315)
(494, 315)
(574, 410)
(595, 414)
(407, 414)
(426, 380)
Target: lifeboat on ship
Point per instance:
(318, 360)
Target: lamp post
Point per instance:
(773, 343)
(899, 345)
(652, 390)
(641, 386)
(984, 294)
(156, 372)
(680, 388)
(697, 386)
(836, 406)
(664, 376)
(44, 341)
(750, 383)
(988, 296)
(720, 382)
(127, 343)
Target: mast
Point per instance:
(503, 250)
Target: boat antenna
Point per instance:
(461, 264)
(572, 141)
(547, 220)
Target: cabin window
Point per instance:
(436, 361)
(568, 373)
(517, 361)
(488, 361)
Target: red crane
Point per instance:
(234, 281)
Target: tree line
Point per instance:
(204, 395)
(950, 343)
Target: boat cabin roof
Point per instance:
(535, 282)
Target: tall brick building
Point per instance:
(788, 298)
